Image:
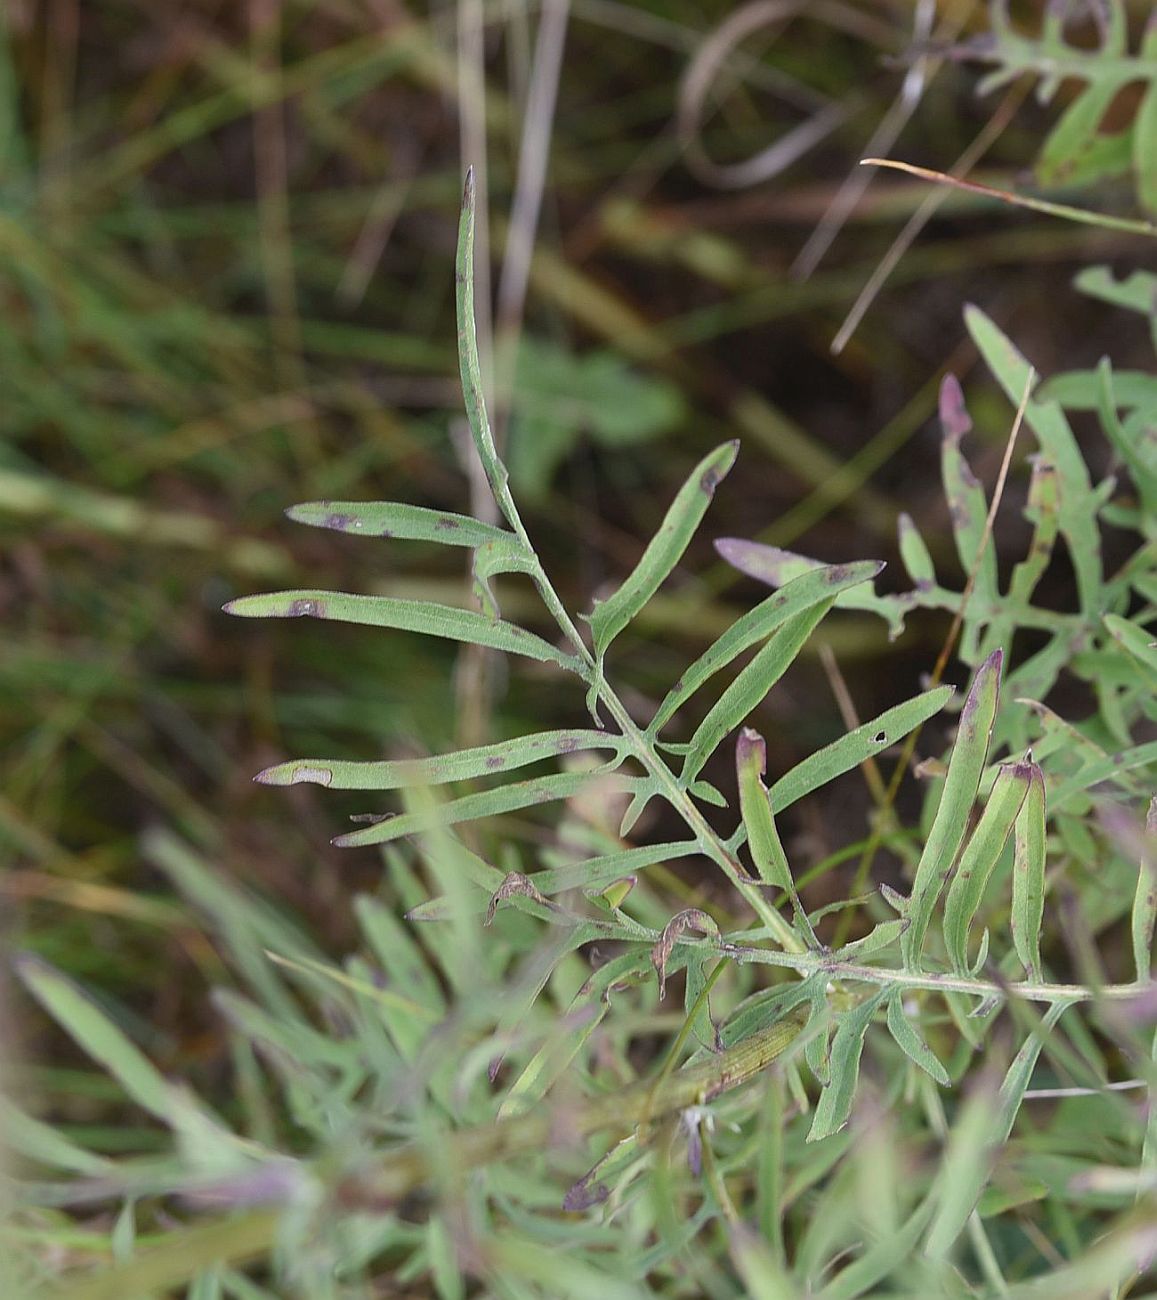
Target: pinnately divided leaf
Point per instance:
(463, 765)
(965, 765)
(406, 615)
(610, 616)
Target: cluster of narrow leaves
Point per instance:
(1078, 151)
(479, 1035)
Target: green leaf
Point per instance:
(762, 837)
(487, 803)
(392, 519)
(914, 553)
(1041, 510)
(979, 857)
(469, 366)
(463, 765)
(979, 1131)
(88, 1026)
(777, 567)
(505, 556)
(1078, 502)
(1028, 874)
(835, 1103)
(407, 615)
(1145, 148)
(1136, 642)
(665, 549)
(758, 623)
(857, 746)
(973, 736)
(910, 1043)
(880, 1260)
(45, 1145)
(1143, 920)
(751, 686)
(598, 871)
(1136, 292)
(967, 506)
(1074, 145)
(877, 940)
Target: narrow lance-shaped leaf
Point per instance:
(856, 747)
(1028, 874)
(908, 1039)
(610, 616)
(1145, 129)
(966, 502)
(1075, 136)
(405, 615)
(835, 1103)
(915, 554)
(798, 594)
(762, 836)
(777, 567)
(394, 519)
(1144, 917)
(1078, 504)
(965, 765)
(980, 855)
(750, 687)
(1136, 642)
(488, 803)
(1041, 510)
(469, 366)
(589, 875)
(464, 765)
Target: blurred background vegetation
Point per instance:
(226, 243)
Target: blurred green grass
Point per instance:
(225, 274)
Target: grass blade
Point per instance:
(93, 1031)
